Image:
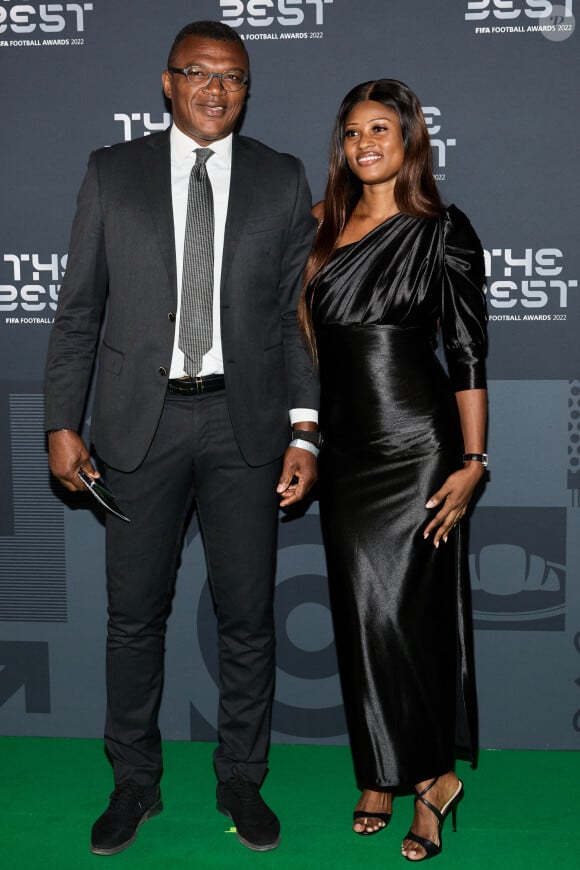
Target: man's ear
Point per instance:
(167, 83)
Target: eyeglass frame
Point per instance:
(212, 76)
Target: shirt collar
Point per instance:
(182, 146)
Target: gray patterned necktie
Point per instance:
(195, 328)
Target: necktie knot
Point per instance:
(202, 155)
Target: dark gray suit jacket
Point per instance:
(122, 261)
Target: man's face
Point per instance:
(206, 114)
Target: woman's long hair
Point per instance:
(416, 192)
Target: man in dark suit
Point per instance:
(169, 432)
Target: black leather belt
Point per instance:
(196, 386)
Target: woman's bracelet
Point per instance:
(476, 457)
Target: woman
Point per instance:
(390, 269)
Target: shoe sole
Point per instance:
(255, 847)
(151, 812)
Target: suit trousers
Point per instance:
(193, 459)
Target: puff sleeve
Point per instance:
(463, 312)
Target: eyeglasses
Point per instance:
(198, 77)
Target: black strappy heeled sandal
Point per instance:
(431, 848)
(362, 814)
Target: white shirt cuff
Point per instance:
(302, 415)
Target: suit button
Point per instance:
(171, 316)
(162, 370)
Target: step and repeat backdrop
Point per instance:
(498, 80)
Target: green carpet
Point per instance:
(520, 811)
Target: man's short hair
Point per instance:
(208, 30)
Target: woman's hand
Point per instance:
(455, 494)
(452, 500)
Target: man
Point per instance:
(191, 405)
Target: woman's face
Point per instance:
(373, 142)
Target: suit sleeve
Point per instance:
(73, 340)
(303, 387)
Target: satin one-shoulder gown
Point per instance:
(391, 437)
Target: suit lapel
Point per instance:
(243, 180)
(157, 172)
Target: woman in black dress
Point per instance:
(391, 270)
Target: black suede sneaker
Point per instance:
(257, 827)
(130, 806)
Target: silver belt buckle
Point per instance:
(198, 385)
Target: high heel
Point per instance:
(361, 814)
(431, 848)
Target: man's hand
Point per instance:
(67, 453)
(299, 474)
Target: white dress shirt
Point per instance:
(219, 169)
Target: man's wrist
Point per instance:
(311, 435)
(61, 429)
(305, 445)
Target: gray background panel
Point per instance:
(500, 107)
